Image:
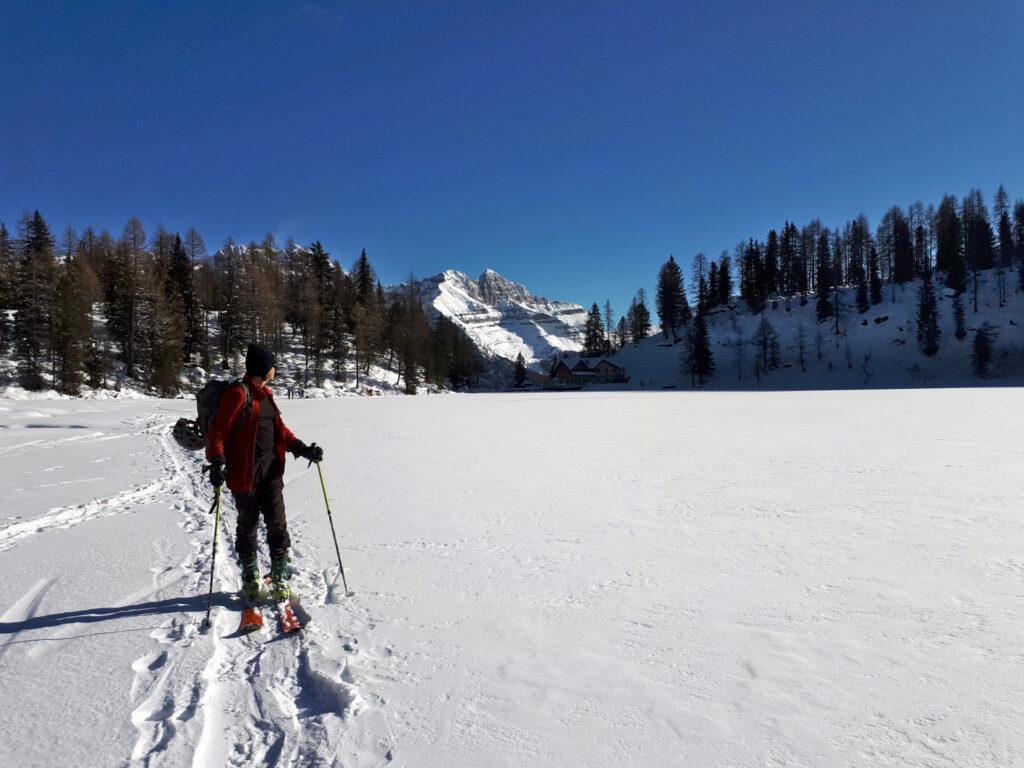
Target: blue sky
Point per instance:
(571, 146)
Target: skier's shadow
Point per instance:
(195, 603)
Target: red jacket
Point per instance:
(236, 442)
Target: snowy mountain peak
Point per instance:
(499, 290)
(503, 317)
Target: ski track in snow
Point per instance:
(219, 698)
(123, 502)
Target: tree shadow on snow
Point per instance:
(194, 603)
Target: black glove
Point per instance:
(217, 475)
(313, 452)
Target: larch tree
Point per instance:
(766, 341)
(823, 260)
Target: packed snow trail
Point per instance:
(204, 699)
(589, 579)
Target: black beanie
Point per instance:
(258, 361)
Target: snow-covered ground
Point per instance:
(580, 579)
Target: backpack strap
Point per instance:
(248, 406)
(248, 393)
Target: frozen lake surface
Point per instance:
(585, 579)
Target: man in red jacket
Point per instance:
(248, 440)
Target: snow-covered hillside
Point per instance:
(502, 317)
(848, 597)
(876, 349)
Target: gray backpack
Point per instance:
(195, 435)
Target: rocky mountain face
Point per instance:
(502, 317)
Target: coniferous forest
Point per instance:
(950, 246)
(93, 309)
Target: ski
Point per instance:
(286, 618)
(252, 619)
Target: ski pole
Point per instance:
(334, 536)
(213, 560)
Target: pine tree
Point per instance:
(71, 326)
(801, 346)
(703, 360)
(713, 300)
(949, 257)
(180, 291)
(836, 291)
(520, 370)
(979, 240)
(412, 337)
(790, 266)
(593, 333)
(1004, 226)
(724, 278)
(365, 278)
(8, 274)
(8, 268)
(458, 361)
(981, 352)
(903, 251)
(928, 333)
(640, 317)
(97, 363)
(874, 277)
(858, 236)
(863, 305)
(157, 347)
(673, 308)
(622, 337)
(752, 278)
(770, 277)
(33, 301)
(336, 335)
(203, 286)
(609, 317)
(958, 316)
